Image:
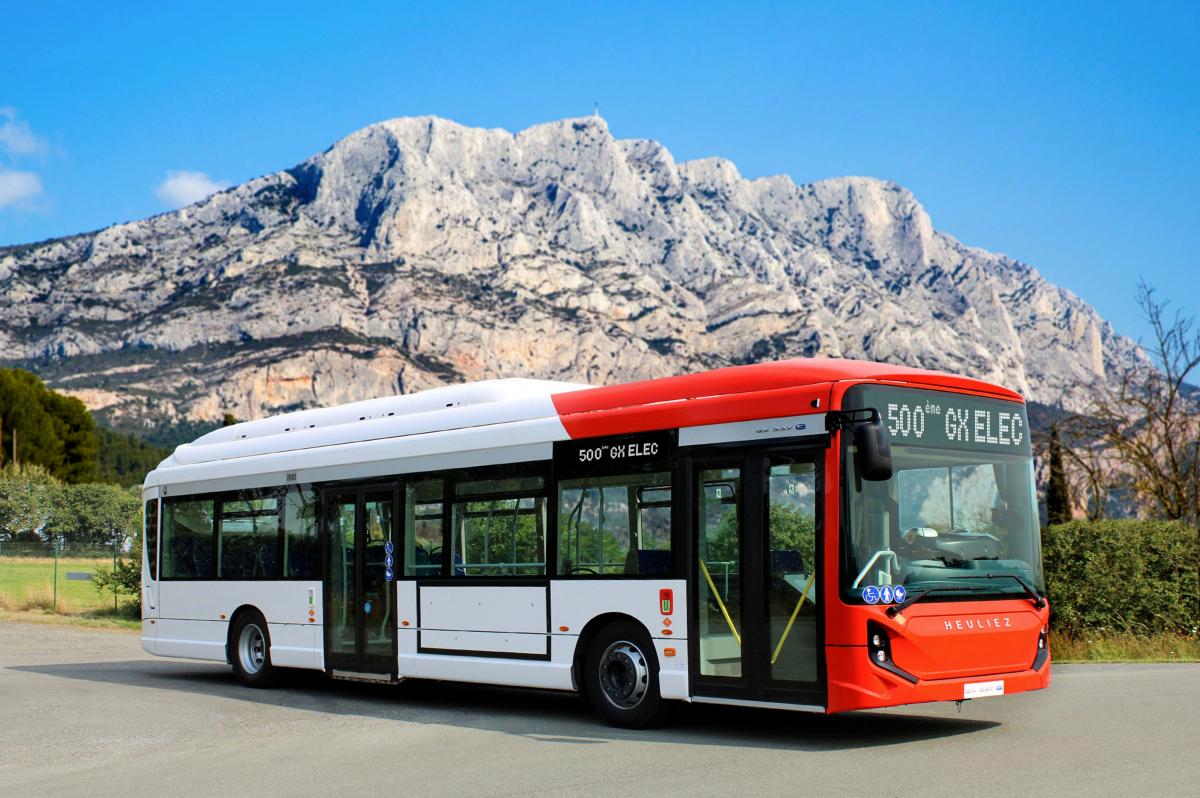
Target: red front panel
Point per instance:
(945, 645)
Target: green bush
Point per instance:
(125, 580)
(1125, 577)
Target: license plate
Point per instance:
(983, 689)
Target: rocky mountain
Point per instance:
(418, 252)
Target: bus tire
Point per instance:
(251, 651)
(621, 676)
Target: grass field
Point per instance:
(1125, 648)
(27, 583)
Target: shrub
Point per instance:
(1125, 577)
(125, 579)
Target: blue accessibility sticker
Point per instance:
(387, 561)
(885, 594)
(871, 594)
(900, 593)
(387, 547)
(388, 575)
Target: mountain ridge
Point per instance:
(417, 251)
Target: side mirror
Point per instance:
(874, 450)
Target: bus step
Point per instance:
(374, 678)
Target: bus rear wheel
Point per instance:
(621, 676)
(251, 651)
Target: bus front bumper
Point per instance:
(863, 685)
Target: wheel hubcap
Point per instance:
(624, 676)
(252, 649)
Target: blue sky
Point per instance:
(1067, 136)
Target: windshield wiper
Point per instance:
(1038, 600)
(896, 609)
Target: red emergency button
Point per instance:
(666, 602)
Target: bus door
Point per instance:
(360, 530)
(150, 521)
(757, 626)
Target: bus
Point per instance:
(815, 534)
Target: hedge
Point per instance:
(1123, 577)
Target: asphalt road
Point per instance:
(85, 712)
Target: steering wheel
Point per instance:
(579, 569)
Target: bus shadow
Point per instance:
(550, 717)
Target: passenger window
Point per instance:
(151, 541)
(497, 533)
(615, 525)
(248, 537)
(300, 558)
(187, 545)
(423, 541)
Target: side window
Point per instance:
(300, 557)
(150, 544)
(248, 537)
(499, 527)
(615, 525)
(423, 527)
(187, 539)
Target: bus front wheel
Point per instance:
(251, 651)
(621, 671)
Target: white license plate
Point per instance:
(983, 689)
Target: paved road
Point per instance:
(85, 712)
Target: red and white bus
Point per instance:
(822, 535)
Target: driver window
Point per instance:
(975, 497)
(924, 498)
(615, 525)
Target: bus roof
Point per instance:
(737, 393)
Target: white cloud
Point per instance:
(18, 186)
(184, 188)
(16, 138)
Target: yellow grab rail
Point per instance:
(720, 603)
(787, 630)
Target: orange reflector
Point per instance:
(312, 612)
(564, 628)
(151, 620)
(668, 632)
(404, 623)
(668, 652)
(312, 620)
(666, 621)
(222, 616)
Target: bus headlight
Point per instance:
(878, 644)
(879, 649)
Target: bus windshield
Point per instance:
(960, 504)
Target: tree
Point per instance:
(27, 492)
(94, 515)
(1150, 423)
(50, 429)
(1058, 496)
(125, 458)
(228, 420)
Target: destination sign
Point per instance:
(934, 418)
(618, 452)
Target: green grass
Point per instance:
(28, 583)
(1125, 648)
